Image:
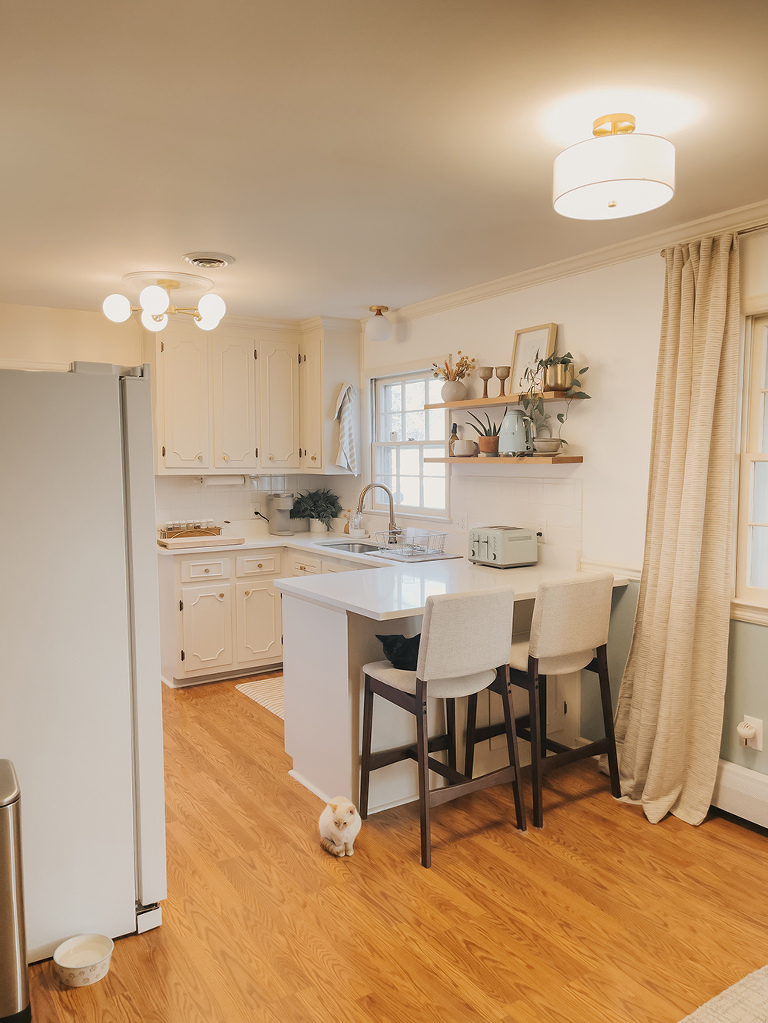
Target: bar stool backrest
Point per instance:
(571, 617)
(465, 633)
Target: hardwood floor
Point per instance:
(601, 917)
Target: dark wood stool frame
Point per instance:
(459, 784)
(533, 727)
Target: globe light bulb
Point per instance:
(116, 308)
(154, 299)
(152, 324)
(378, 328)
(211, 307)
(207, 322)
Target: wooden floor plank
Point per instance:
(600, 916)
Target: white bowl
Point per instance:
(546, 445)
(83, 959)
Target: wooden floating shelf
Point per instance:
(511, 459)
(507, 399)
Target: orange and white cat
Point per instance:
(339, 827)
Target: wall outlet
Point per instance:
(460, 522)
(756, 742)
(541, 531)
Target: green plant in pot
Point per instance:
(539, 377)
(319, 506)
(487, 434)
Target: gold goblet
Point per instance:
(502, 372)
(485, 373)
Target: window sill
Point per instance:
(401, 513)
(743, 611)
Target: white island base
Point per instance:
(326, 645)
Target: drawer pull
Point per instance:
(206, 570)
(221, 595)
(260, 565)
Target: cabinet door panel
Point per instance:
(206, 621)
(186, 402)
(311, 413)
(234, 404)
(279, 404)
(258, 622)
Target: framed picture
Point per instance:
(531, 344)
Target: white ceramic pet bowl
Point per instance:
(83, 959)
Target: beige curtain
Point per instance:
(670, 710)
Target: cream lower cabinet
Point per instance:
(220, 615)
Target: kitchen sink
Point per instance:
(353, 546)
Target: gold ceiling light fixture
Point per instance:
(159, 293)
(378, 327)
(618, 173)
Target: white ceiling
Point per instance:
(347, 152)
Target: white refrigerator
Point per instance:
(80, 692)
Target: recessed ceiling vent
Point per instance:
(208, 260)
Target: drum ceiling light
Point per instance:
(155, 302)
(618, 173)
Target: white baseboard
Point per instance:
(742, 792)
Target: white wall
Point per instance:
(35, 334)
(610, 320)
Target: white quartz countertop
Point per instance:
(319, 544)
(400, 591)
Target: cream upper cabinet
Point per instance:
(185, 393)
(279, 369)
(330, 357)
(311, 426)
(234, 403)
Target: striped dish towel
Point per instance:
(346, 413)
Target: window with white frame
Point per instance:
(752, 547)
(404, 435)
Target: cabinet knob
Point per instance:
(247, 593)
(221, 595)
(314, 458)
(225, 457)
(260, 565)
(271, 458)
(207, 570)
(199, 458)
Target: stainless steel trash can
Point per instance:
(14, 973)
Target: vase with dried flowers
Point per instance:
(453, 389)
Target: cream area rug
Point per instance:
(268, 692)
(745, 1002)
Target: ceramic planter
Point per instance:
(453, 390)
(488, 445)
(316, 526)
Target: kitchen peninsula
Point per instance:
(330, 624)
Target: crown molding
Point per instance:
(257, 322)
(329, 323)
(741, 219)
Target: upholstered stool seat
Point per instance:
(463, 650)
(569, 633)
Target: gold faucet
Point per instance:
(394, 529)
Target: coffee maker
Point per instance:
(279, 514)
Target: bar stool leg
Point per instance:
(469, 753)
(514, 758)
(365, 759)
(536, 750)
(423, 769)
(450, 723)
(605, 697)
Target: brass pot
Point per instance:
(558, 378)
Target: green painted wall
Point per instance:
(746, 692)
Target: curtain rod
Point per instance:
(744, 230)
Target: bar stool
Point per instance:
(464, 638)
(569, 632)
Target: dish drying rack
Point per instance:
(410, 543)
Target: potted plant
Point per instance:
(553, 373)
(453, 389)
(319, 506)
(488, 434)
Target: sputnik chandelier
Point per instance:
(156, 300)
